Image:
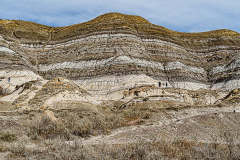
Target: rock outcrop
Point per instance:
(42, 94)
(115, 52)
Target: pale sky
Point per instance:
(178, 15)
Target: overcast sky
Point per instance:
(178, 15)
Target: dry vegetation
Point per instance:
(113, 21)
(67, 130)
(144, 149)
(39, 136)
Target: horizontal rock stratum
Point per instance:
(115, 51)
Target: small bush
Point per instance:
(18, 149)
(58, 149)
(47, 128)
(3, 147)
(76, 124)
(8, 136)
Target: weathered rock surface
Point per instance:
(42, 94)
(114, 53)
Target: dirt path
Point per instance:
(124, 135)
(167, 126)
(180, 124)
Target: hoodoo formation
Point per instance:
(114, 53)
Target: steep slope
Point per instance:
(43, 94)
(108, 51)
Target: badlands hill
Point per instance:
(103, 76)
(115, 52)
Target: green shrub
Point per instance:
(8, 136)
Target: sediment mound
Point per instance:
(42, 94)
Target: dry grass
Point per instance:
(50, 139)
(81, 123)
(143, 149)
(4, 106)
(111, 21)
(45, 127)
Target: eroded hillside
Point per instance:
(113, 46)
(118, 87)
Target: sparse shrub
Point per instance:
(146, 115)
(3, 147)
(18, 149)
(145, 99)
(8, 136)
(47, 128)
(75, 124)
(154, 155)
(140, 150)
(26, 86)
(82, 128)
(113, 121)
(132, 115)
(67, 123)
(58, 149)
(154, 149)
(229, 137)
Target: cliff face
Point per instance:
(115, 51)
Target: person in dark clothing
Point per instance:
(166, 84)
(1, 91)
(9, 79)
(159, 83)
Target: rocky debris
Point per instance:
(231, 99)
(50, 115)
(152, 93)
(11, 79)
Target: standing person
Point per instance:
(9, 79)
(1, 91)
(166, 84)
(159, 83)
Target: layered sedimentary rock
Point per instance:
(43, 94)
(114, 52)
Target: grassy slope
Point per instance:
(115, 21)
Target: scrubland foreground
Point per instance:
(138, 131)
